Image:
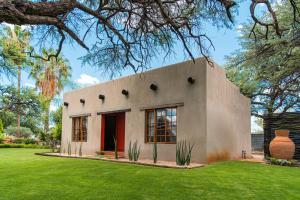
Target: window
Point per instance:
(79, 129)
(161, 125)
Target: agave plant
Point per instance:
(136, 151)
(183, 153)
(130, 156)
(155, 152)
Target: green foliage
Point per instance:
(154, 152)
(1, 132)
(282, 162)
(183, 153)
(32, 146)
(56, 118)
(267, 69)
(134, 151)
(24, 132)
(24, 141)
(28, 104)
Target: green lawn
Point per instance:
(24, 175)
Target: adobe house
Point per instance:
(185, 101)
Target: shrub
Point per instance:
(282, 162)
(1, 139)
(24, 132)
(32, 146)
(24, 141)
(183, 153)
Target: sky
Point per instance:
(225, 42)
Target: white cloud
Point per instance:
(85, 79)
(11, 26)
(239, 29)
(53, 107)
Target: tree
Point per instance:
(267, 69)
(14, 43)
(50, 77)
(130, 33)
(56, 118)
(28, 104)
(1, 129)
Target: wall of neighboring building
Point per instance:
(257, 142)
(228, 118)
(172, 88)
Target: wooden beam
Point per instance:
(113, 111)
(81, 115)
(162, 106)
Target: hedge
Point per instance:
(32, 146)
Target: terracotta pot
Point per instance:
(282, 147)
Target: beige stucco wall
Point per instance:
(172, 88)
(228, 118)
(193, 122)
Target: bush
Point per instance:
(24, 132)
(32, 146)
(24, 141)
(282, 162)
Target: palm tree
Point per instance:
(50, 77)
(15, 43)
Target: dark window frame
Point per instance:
(166, 127)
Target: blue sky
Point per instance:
(225, 42)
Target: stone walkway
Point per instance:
(165, 164)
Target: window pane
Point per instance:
(165, 128)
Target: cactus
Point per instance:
(69, 149)
(116, 148)
(154, 152)
(183, 153)
(80, 150)
(75, 148)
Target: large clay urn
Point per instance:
(282, 147)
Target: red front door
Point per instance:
(113, 126)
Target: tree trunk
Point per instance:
(46, 119)
(19, 96)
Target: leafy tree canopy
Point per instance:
(267, 69)
(122, 33)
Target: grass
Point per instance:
(25, 176)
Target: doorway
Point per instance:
(110, 133)
(113, 126)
